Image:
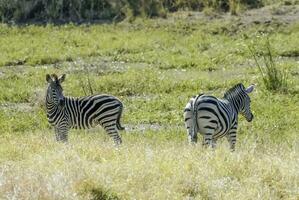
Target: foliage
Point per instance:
(274, 79)
(88, 10)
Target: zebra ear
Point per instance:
(61, 78)
(249, 89)
(48, 78)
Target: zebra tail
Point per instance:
(118, 125)
(194, 115)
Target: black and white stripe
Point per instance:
(65, 113)
(215, 118)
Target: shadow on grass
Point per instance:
(91, 190)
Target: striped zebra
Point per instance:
(65, 113)
(215, 118)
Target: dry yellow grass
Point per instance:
(145, 167)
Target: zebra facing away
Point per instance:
(65, 113)
(215, 118)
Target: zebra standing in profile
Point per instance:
(215, 118)
(65, 113)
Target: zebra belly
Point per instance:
(90, 111)
(77, 122)
(101, 113)
(212, 127)
(220, 134)
(77, 126)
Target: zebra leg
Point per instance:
(112, 131)
(189, 136)
(208, 140)
(189, 124)
(189, 133)
(194, 137)
(61, 134)
(214, 143)
(232, 137)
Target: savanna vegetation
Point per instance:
(116, 10)
(154, 66)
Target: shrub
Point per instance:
(274, 79)
(59, 10)
(87, 10)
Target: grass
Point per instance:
(274, 79)
(154, 67)
(160, 43)
(147, 167)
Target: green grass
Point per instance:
(154, 67)
(161, 43)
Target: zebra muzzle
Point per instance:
(251, 118)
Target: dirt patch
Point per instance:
(223, 74)
(20, 107)
(142, 128)
(100, 65)
(94, 65)
(278, 14)
(272, 14)
(1, 74)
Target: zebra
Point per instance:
(215, 118)
(65, 113)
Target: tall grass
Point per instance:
(274, 78)
(146, 167)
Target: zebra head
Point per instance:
(238, 96)
(245, 107)
(54, 92)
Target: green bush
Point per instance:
(59, 10)
(87, 10)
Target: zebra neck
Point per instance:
(55, 114)
(235, 103)
(52, 107)
(49, 102)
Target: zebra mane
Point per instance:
(234, 90)
(55, 77)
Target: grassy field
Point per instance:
(154, 66)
